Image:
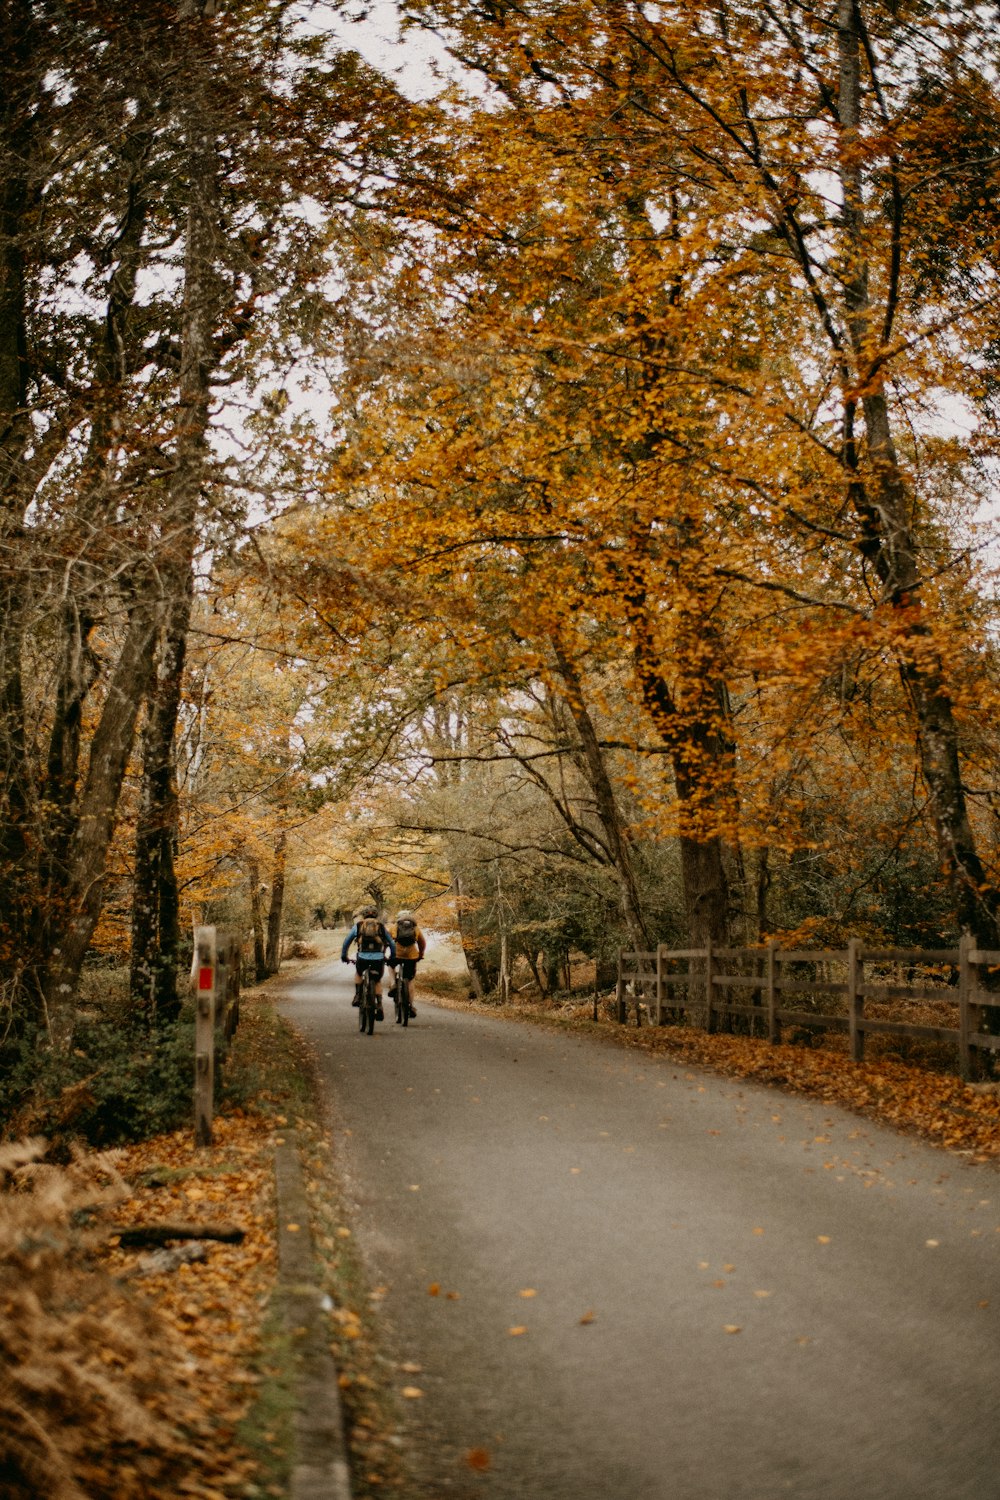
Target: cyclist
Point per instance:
(410, 948)
(372, 938)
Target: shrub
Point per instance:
(112, 1085)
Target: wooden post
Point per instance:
(773, 1024)
(620, 990)
(966, 979)
(659, 984)
(855, 1001)
(709, 978)
(222, 990)
(204, 974)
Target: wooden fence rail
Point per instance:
(215, 980)
(764, 984)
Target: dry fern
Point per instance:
(96, 1402)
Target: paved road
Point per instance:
(651, 1210)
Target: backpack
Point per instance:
(406, 932)
(370, 936)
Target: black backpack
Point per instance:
(406, 932)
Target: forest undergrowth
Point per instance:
(127, 1370)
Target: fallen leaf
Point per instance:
(478, 1459)
(528, 1292)
(517, 1331)
(762, 1294)
(823, 1239)
(588, 1317)
(733, 1328)
(932, 1244)
(412, 1392)
(434, 1290)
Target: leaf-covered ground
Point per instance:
(214, 1305)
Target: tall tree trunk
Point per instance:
(156, 901)
(70, 926)
(18, 80)
(156, 934)
(880, 494)
(272, 959)
(694, 730)
(257, 922)
(604, 798)
(477, 977)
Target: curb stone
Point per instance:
(320, 1470)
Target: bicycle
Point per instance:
(401, 999)
(367, 1003)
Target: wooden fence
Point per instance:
(770, 986)
(215, 980)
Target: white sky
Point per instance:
(373, 30)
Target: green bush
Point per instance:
(113, 1085)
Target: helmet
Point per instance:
(369, 910)
(405, 916)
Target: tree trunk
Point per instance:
(476, 977)
(156, 931)
(604, 798)
(69, 928)
(701, 751)
(272, 959)
(257, 919)
(18, 871)
(156, 908)
(880, 494)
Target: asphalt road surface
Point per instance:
(626, 1279)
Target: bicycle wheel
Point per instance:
(366, 1008)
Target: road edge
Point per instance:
(320, 1468)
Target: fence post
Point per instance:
(204, 976)
(659, 984)
(709, 978)
(855, 1001)
(773, 1024)
(965, 1009)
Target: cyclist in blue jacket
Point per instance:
(372, 938)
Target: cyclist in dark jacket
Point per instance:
(372, 938)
